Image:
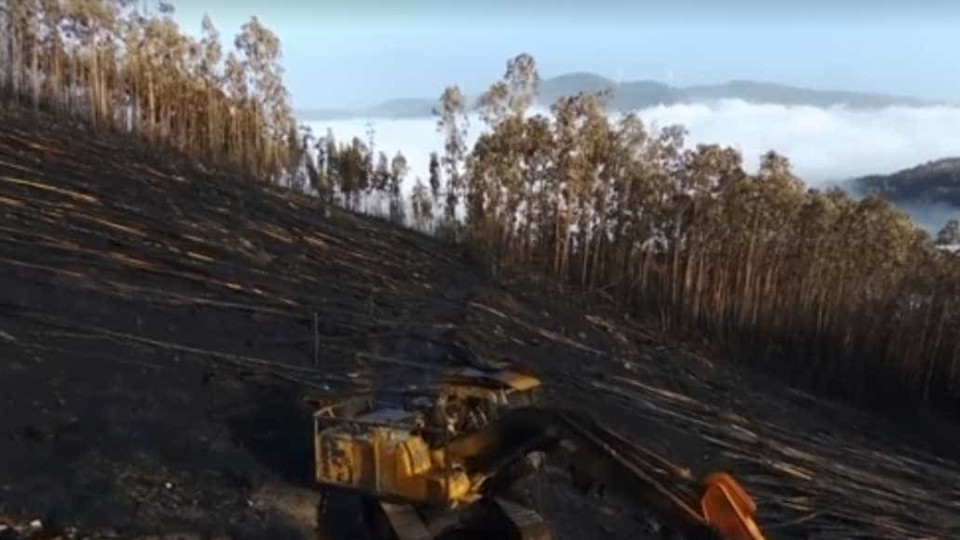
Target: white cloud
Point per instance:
(823, 144)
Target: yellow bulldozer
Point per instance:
(431, 461)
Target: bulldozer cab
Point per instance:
(400, 445)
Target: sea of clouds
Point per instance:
(824, 144)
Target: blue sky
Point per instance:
(360, 52)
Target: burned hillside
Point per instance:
(161, 324)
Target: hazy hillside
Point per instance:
(571, 84)
(632, 95)
(642, 94)
(624, 96)
(935, 182)
(765, 92)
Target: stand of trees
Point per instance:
(846, 295)
(109, 63)
(348, 175)
(118, 68)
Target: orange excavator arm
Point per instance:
(724, 509)
(728, 509)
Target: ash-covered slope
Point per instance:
(160, 324)
(158, 328)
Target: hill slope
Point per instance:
(766, 92)
(935, 182)
(571, 84)
(929, 192)
(157, 329)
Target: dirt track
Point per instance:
(158, 335)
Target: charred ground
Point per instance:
(160, 325)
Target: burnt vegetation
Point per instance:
(169, 296)
(847, 296)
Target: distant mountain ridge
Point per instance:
(765, 92)
(632, 95)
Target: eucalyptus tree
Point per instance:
(381, 173)
(328, 160)
(379, 185)
(259, 49)
(210, 73)
(421, 203)
(398, 172)
(434, 177)
(452, 122)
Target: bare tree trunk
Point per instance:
(151, 105)
(954, 360)
(932, 355)
(6, 59)
(35, 75)
(16, 67)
